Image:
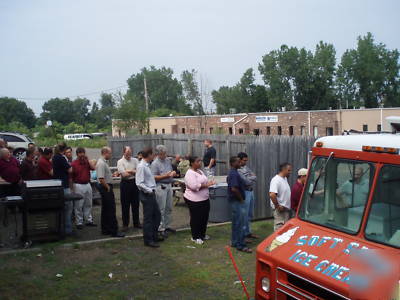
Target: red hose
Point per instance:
(237, 271)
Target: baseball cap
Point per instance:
(302, 172)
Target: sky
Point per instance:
(68, 48)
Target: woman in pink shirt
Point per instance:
(197, 199)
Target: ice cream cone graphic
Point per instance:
(282, 239)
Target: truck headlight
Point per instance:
(265, 284)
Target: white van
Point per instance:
(77, 136)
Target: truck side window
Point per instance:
(338, 198)
(384, 219)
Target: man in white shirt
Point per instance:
(279, 193)
(129, 192)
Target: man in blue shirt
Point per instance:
(236, 195)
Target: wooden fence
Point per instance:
(265, 155)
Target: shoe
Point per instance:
(206, 237)
(252, 236)
(198, 241)
(164, 234)
(152, 245)
(159, 239)
(118, 235)
(80, 226)
(139, 226)
(170, 230)
(125, 229)
(91, 224)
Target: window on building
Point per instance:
(163, 131)
(192, 130)
(379, 127)
(329, 131)
(302, 130)
(291, 130)
(279, 130)
(155, 131)
(183, 130)
(230, 130)
(365, 127)
(211, 130)
(256, 131)
(220, 130)
(315, 131)
(202, 130)
(268, 130)
(240, 130)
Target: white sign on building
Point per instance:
(266, 119)
(227, 120)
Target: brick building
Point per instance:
(316, 123)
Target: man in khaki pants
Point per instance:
(279, 193)
(161, 168)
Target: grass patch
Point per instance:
(91, 143)
(174, 271)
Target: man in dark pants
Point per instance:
(109, 223)
(127, 166)
(151, 213)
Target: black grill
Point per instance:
(311, 288)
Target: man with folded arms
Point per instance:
(81, 168)
(127, 166)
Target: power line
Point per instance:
(74, 96)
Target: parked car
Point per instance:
(77, 136)
(18, 141)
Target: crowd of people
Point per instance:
(148, 179)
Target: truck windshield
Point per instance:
(383, 223)
(336, 193)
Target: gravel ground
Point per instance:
(180, 215)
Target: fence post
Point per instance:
(189, 146)
(228, 152)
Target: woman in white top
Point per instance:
(197, 198)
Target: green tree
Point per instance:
(59, 110)
(131, 113)
(163, 89)
(245, 96)
(191, 91)
(369, 75)
(81, 110)
(13, 110)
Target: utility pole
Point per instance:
(146, 99)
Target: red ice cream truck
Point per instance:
(344, 242)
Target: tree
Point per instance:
(369, 75)
(191, 91)
(13, 110)
(59, 110)
(131, 113)
(81, 110)
(245, 96)
(107, 109)
(163, 89)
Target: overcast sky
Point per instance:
(67, 48)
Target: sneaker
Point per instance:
(206, 237)
(198, 241)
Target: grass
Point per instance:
(174, 271)
(91, 143)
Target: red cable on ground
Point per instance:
(237, 271)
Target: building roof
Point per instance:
(357, 141)
(278, 112)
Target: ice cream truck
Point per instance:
(344, 241)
